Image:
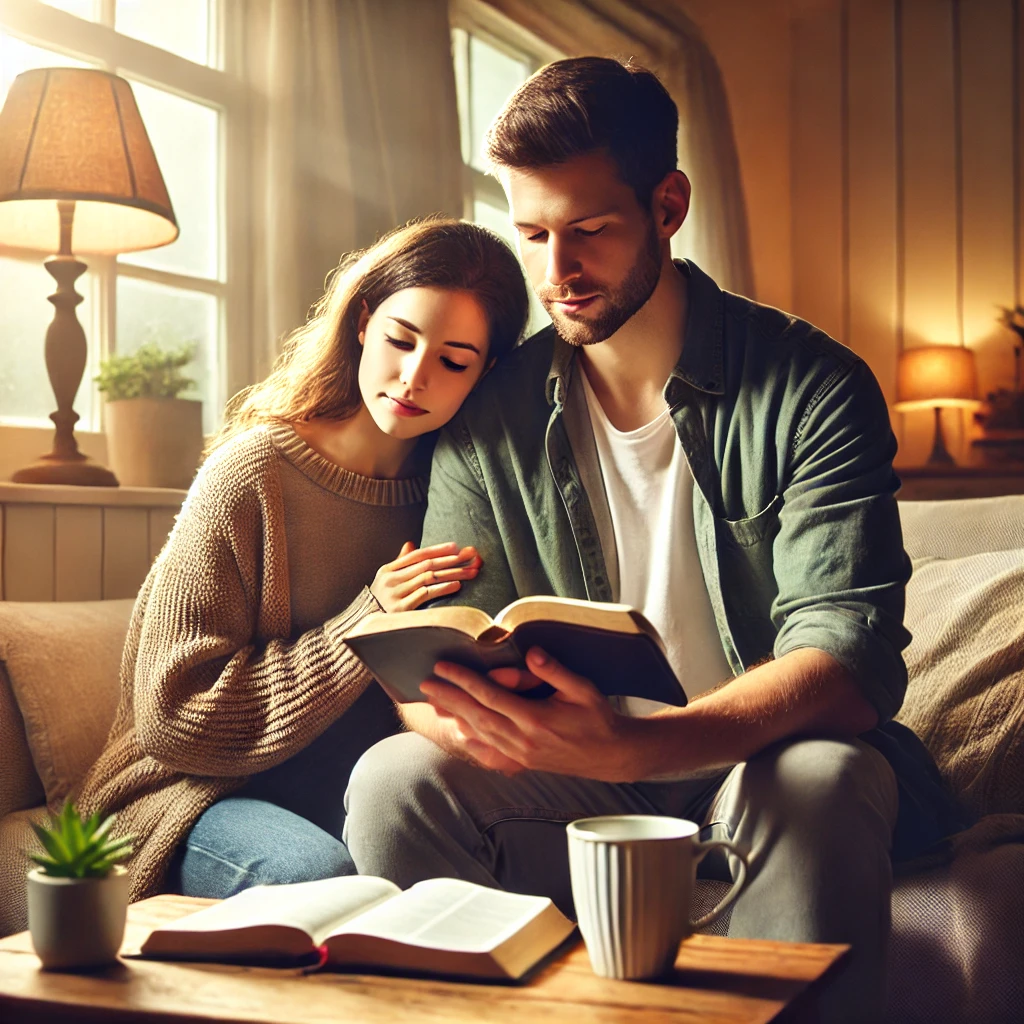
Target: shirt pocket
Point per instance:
(752, 531)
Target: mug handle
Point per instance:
(705, 847)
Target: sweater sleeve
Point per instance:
(209, 698)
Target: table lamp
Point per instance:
(937, 377)
(77, 174)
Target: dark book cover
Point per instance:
(619, 663)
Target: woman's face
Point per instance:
(423, 351)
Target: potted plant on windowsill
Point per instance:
(78, 894)
(154, 437)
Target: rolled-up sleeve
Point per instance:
(839, 561)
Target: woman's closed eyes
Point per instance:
(408, 346)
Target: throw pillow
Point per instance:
(965, 697)
(62, 660)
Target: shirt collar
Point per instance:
(700, 362)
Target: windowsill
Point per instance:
(62, 494)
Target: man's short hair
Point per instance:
(585, 104)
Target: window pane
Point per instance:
(170, 318)
(88, 9)
(184, 137)
(16, 56)
(493, 77)
(460, 58)
(496, 218)
(25, 393)
(182, 27)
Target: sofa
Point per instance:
(957, 947)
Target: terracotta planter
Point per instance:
(154, 442)
(77, 922)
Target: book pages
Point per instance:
(444, 913)
(316, 908)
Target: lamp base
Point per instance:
(940, 453)
(65, 363)
(78, 471)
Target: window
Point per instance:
(493, 56)
(171, 55)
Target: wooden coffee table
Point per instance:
(716, 981)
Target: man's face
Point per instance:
(590, 250)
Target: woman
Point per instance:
(242, 710)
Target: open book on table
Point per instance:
(441, 926)
(612, 645)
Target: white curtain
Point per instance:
(659, 37)
(348, 127)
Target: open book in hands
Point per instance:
(612, 645)
(441, 926)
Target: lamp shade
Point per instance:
(936, 375)
(76, 134)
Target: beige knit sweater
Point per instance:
(219, 679)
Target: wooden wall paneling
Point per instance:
(78, 553)
(161, 522)
(930, 219)
(28, 552)
(871, 201)
(3, 528)
(126, 551)
(988, 106)
(817, 162)
(1018, 149)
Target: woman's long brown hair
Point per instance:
(316, 373)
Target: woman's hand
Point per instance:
(421, 574)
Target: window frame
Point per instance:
(495, 29)
(476, 18)
(102, 46)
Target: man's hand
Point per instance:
(439, 727)
(573, 732)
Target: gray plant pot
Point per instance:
(77, 922)
(154, 442)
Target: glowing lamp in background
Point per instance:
(77, 174)
(937, 377)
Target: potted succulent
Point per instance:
(78, 893)
(154, 437)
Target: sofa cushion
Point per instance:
(967, 526)
(957, 942)
(62, 661)
(16, 840)
(19, 782)
(965, 696)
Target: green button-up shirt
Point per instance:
(788, 438)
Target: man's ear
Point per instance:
(364, 319)
(670, 203)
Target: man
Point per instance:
(720, 465)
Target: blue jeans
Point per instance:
(240, 842)
(284, 824)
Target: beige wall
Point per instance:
(751, 42)
(877, 143)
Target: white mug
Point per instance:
(632, 883)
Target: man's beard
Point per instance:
(620, 304)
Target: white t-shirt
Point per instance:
(649, 488)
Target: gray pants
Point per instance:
(816, 816)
